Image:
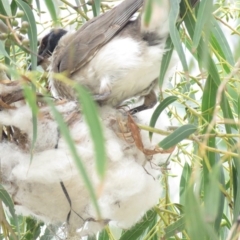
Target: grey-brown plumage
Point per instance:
(93, 35)
(114, 57)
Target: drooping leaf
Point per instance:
(103, 235)
(90, 112)
(52, 10)
(96, 7)
(173, 16)
(202, 22)
(3, 52)
(148, 12)
(177, 136)
(4, 196)
(136, 231)
(184, 182)
(32, 31)
(5, 8)
(66, 134)
(174, 228)
(165, 61)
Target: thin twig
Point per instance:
(76, 8)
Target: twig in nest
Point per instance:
(138, 139)
(4, 105)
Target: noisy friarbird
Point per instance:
(113, 56)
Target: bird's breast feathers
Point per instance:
(122, 62)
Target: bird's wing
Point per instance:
(86, 42)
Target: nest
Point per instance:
(51, 189)
(127, 128)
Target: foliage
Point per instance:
(204, 96)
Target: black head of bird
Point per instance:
(113, 56)
(47, 46)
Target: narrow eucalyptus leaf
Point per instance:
(6, 199)
(3, 52)
(103, 235)
(32, 31)
(173, 16)
(14, 7)
(90, 112)
(5, 8)
(52, 10)
(177, 136)
(184, 181)
(220, 54)
(223, 42)
(212, 195)
(66, 134)
(236, 186)
(174, 228)
(203, 16)
(148, 12)
(96, 7)
(30, 97)
(38, 5)
(194, 217)
(136, 231)
(165, 61)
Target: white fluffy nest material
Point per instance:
(131, 185)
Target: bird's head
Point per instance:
(48, 44)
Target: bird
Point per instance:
(114, 56)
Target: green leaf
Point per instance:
(33, 227)
(209, 100)
(214, 201)
(32, 31)
(3, 52)
(220, 54)
(5, 8)
(38, 6)
(90, 112)
(173, 16)
(159, 110)
(136, 231)
(177, 136)
(236, 185)
(184, 181)
(203, 16)
(212, 196)
(14, 7)
(96, 7)
(196, 225)
(165, 61)
(66, 134)
(220, 211)
(103, 235)
(52, 10)
(4, 196)
(46, 235)
(211, 66)
(30, 97)
(148, 12)
(223, 42)
(174, 228)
